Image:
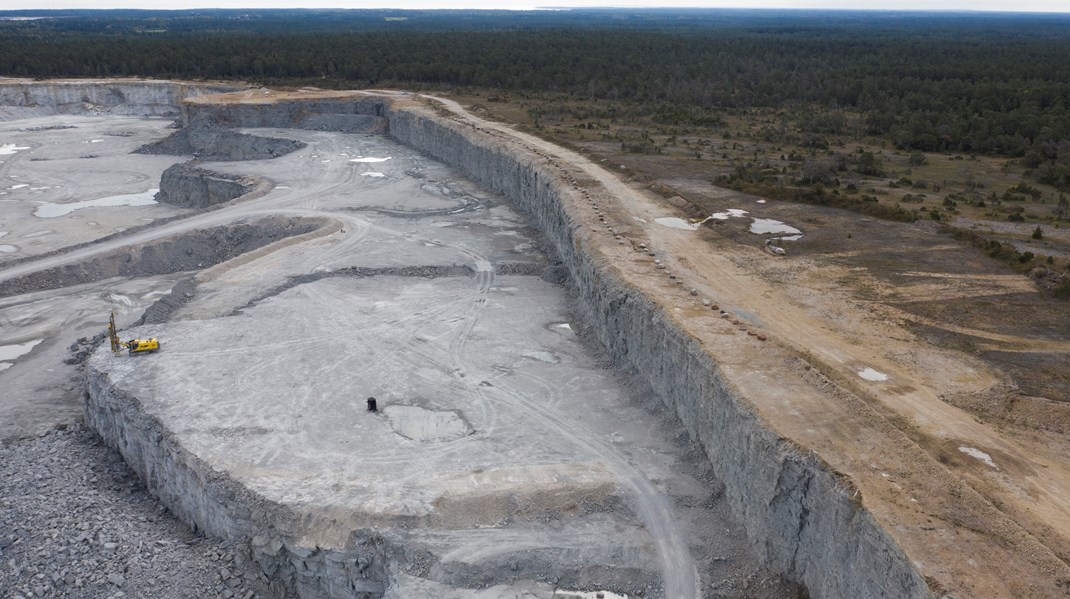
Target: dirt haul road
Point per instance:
(859, 354)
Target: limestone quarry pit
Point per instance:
(557, 417)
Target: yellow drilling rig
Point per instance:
(134, 346)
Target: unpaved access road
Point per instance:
(860, 352)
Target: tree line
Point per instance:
(996, 85)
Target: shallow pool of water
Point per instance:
(768, 225)
(15, 350)
(50, 210)
(675, 223)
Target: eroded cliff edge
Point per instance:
(20, 98)
(804, 519)
(807, 520)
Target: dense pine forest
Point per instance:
(991, 84)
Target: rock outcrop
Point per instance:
(191, 251)
(27, 99)
(342, 115)
(207, 139)
(190, 186)
(800, 515)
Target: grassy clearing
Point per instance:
(801, 154)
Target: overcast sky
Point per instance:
(988, 5)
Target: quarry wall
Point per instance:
(190, 186)
(343, 115)
(801, 517)
(27, 99)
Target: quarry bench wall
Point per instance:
(802, 518)
(805, 520)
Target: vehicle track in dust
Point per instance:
(679, 574)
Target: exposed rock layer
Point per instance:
(799, 514)
(192, 251)
(190, 186)
(343, 115)
(27, 99)
(204, 138)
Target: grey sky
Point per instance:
(984, 5)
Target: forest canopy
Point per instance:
(996, 84)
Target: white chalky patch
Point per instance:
(872, 375)
(980, 455)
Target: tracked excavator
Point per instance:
(134, 346)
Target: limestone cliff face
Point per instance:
(343, 115)
(189, 186)
(206, 139)
(27, 99)
(796, 511)
(212, 502)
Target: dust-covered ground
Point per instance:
(483, 376)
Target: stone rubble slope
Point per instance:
(75, 521)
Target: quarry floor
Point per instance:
(504, 444)
(503, 437)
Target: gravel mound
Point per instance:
(75, 521)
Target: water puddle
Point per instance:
(372, 175)
(8, 249)
(872, 375)
(563, 594)
(730, 213)
(9, 149)
(282, 187)
(790, 238)
(768, 225)
(14, 351)
(370, 159)
(975, 453)
(676, 223)
(50, 210)
(19, 186)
